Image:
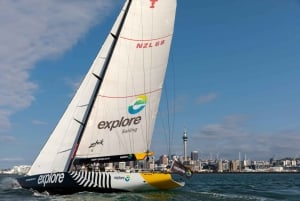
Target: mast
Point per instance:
(99, 82)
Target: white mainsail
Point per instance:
(134, 78)
(121, 119)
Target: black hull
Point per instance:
(64, 183)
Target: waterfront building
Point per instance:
(194, 155)
(220, 166)
(235, 166)
(226, 165)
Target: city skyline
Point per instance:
(232, 80)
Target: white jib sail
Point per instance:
(122, 119)
(56, 153)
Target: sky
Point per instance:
(232, 81)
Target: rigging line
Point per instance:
(102, 74)
(145, 135)
(171, 111)
(169, 130)
(151, 66)
(168, 123)
(164, 127)
(150, 113)
(173, 67)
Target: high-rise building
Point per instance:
(220, 166)
(194, 155)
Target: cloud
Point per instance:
(11, 160)
(231, 137)
(284, 143)
(206, 98)
(38, 122)
(73, 83)
(7, 138)
(230, 127)
(34, 30)
(4, 115)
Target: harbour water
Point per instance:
(201, 187)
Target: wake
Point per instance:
(9, 183)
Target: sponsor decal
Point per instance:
(126, 178)
(30, 179)
(51, 178)
(129, 122)
(138, 104)
(96, 143)
(123, 122)
(153, 3)
(129, 130)
(150, 44)
(129, 156)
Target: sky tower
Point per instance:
(184, 138)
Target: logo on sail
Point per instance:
(130, 122)
(138, 104)
(96, 143)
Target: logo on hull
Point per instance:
(51, 178)
(126, 178)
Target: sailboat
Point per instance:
(111, 118)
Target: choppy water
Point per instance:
(202, 187)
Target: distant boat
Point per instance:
(110, 120)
